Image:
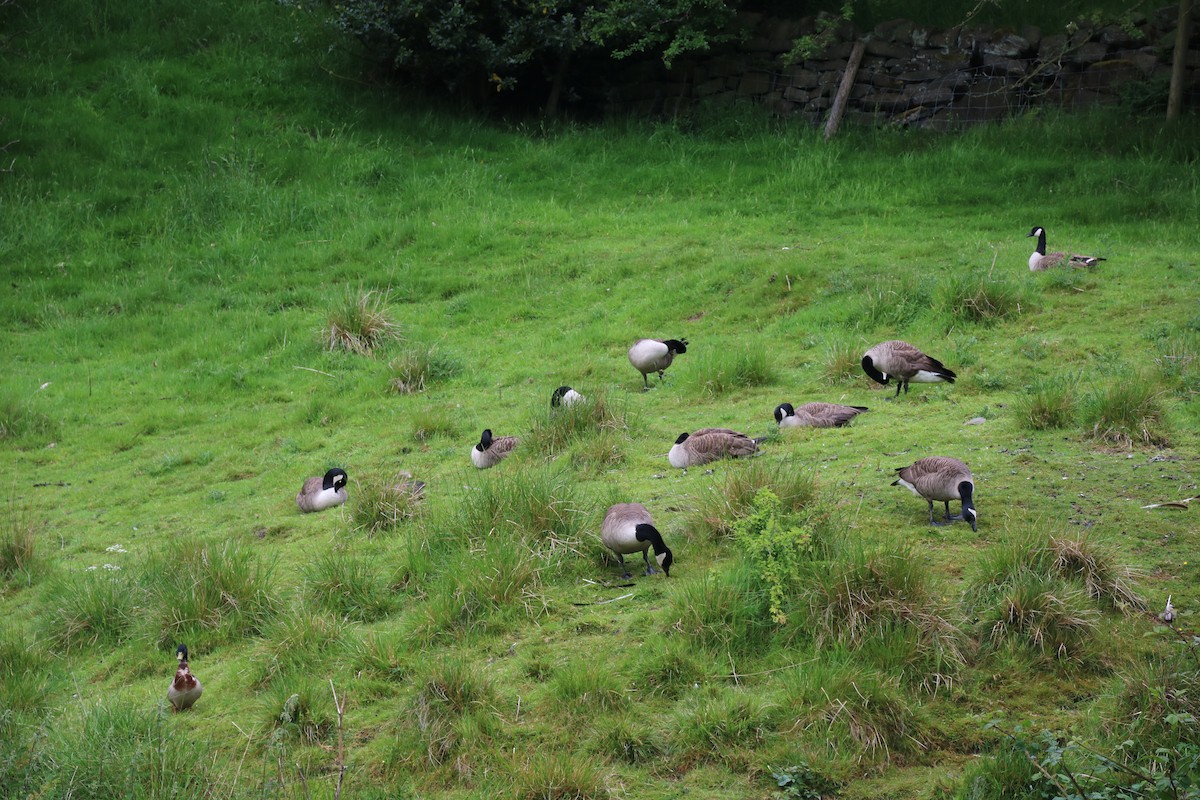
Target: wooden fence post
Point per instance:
(843, 92)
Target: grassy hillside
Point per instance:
(191, 201)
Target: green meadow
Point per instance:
(228, 266)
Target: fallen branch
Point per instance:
(1181, 504)
(310, 369)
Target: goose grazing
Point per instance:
(628, 528)
(1041, 260)
(491, 451)
(654, 355)
(1168, 614)
(184, 689)
(816, 415)
(941, 478)
(565, 396)
(710, 444)
(318, 494)
(900, 361)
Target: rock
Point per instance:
(1011, 46)
(1090, 53)
(999, 65)
(878, 47)
(1052, 47)
(803, 78)
(796, 95)
(753, 83)
(975, 421)
(890, 102)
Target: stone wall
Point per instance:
(913, 75)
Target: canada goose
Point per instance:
(1041, 260)
(654, 355)
(628, 528)
(941, 478)
(184, 689)
(904, 363)
(565, 396)
(318, 494)
(710, 444)
(490, 452)
(1168, 614)
(816, 415)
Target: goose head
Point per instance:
(485, 441)
(965, 491)
(784, 410)
(676, 346)
(334, 479)
(869, 367)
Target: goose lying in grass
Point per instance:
(655, 355)
(491, 451)
(628, 528)
(565, 396)
(184, 689)
(710, 444)
(1040, 259)
(903, 363)
(941, 478)
(318, 494)
(816, 415)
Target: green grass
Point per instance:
(195, 201)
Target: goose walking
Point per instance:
(628, 528)
(491, 451)
(944, 479)
(184, 689)
(816, 415)
(900, 361)
(566, 397)
(655, 355)
(710, 444)
(1041, 260)
(318, 494)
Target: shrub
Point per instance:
(360, 323)
(1049, 404)
(348, 586)
(418, 367)
(967, 297)
(776, 548)
(207, 592)
(381, 503)
(1123, 411)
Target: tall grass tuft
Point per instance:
(717, 372)
(1047, 617)
(430, 422)
(539, 506)
(1124, 411)
(22, 424)
(87, 608)
(121, 750)
(298, 640)
(554, 431)
(20, 527)
(1157, 704)
(718, 722)
(381, 503)
(360, 322)
(853, 704)
(841, 362)
(719, 507)
(667, 666)
(299, 708)
(451, 689)
(1178, 360)
(1049, 404)
(895, 304)
(722, 611)
(971, 298)
(418, 367)
(349, 586)
(26, 674)
(207, 593)
(557, 776)
(587, 686)
(626, 738)
(872, 595)
(1077, 559)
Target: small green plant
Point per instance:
(777, 548)
(381, 503)
(430, 422)
(1123, 411)
(626, 738)
(803, 782)
(537, 505)
(1049, 404)
(718, 721)
(1179, 361)
(360, 323)
(418, 367)
(296, 641)
(26, 674)
(451, 690)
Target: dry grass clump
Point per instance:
(360, 323)
(1125, 411)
